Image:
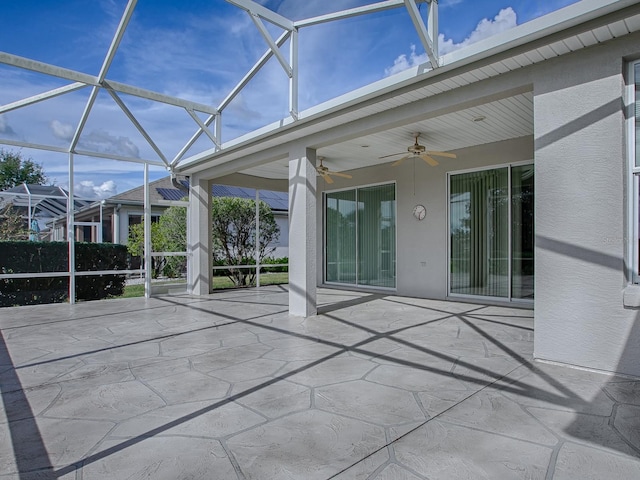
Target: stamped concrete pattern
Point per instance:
(230, 386)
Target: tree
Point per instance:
(12, 225)
(234, 235)
(173, 225)
(168, 234)
(15, 170)
(233, 232)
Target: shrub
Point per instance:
(37, 257)
(282, 262)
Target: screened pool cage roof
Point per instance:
(42, 201)
(206, 118)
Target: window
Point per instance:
(491, 232)
(360, 236)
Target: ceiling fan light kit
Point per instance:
(420, 151)
(325, 173)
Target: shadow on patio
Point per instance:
(373, 387)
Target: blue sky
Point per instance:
(199, 49)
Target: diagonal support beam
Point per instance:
(90, 80)
(195, 137)
(135, 122)
(117, 38)
(41, 97)
(255, 9)
(103, 71)
(272, 45)
(204, 128)
(252, 73)
(83, 119)
(426, 37)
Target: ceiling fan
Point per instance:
(326, 173)
(420, 151)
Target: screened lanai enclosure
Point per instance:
(106, 120)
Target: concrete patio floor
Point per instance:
(230, 387)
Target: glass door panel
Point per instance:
(522, 232)
(340, 250)
(376, 236)
(479, 229)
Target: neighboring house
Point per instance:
(121, 211)
(43, 203)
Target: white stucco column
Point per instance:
(302, 232)
(200, 261)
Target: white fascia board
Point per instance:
(563, 19)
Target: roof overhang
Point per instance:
(577, 26)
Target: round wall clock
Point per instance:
(419, 212)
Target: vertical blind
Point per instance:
(484, 212)
(361, 236)
(479, 233)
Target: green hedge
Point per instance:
(268, 265)
(279, 265)
(36, 257)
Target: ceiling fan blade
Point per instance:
(392, 155)
(339, 174)
(430, 160)
(441, 154)
(327, 178)
(398, 162)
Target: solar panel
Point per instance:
(171, 193)
(275, 200)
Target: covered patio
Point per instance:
(230, 385)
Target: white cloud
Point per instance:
(88, 189)
(102, 141)
(60, 130)
(97, 140)
(5, 128)
(448, 3)
(504, 20)
(402, 63)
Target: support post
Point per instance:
(295, 72)
(302, 232)
(71, 238)
(147, 235)
(257, 238)
(199, 250)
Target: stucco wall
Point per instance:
(422, 245)
(581, 211)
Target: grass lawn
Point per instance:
(218, 283)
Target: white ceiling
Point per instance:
(503, 119)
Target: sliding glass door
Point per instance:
(360, 236)
(340, 251)
(522, 237)
(491, 232)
